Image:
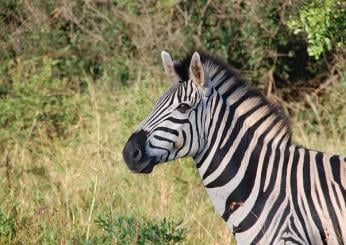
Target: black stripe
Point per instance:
(179, 92)
(209, 105)
(292, 241)
(211, 98)
(295, 229)
(156, 120)
(185, 88)
(336, 170)
(177, 120)
(284, 216)
(235, 86)
(151, 145)
(336, 196)
(182, 146)
(199, 106)
(305, 210)
(318, 196)
(233, 166)
(212, 112)
(192, 136)
(164, 139)
(263, 196)
(295, 192)
(282, 193)
(235, 131)
(218, 119)
(243, 190)
(325, 191)
(307, 189)
(225, 78)
(191, 90)
(167, 130)
(171, 102)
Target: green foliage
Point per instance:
(7, 227)
(324, 23)
(33, 101)
(254, 38)
(61, 30)
(131, 230)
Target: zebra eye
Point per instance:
(183, 107)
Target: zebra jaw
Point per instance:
(145, 167)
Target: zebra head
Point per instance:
(173, 129)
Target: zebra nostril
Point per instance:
(137, 155)
(134, 150)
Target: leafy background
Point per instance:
(76, 77)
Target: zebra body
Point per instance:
(267, 189)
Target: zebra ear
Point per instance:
(197, 72)
(168, 65)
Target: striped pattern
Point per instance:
(268, 189)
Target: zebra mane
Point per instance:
(225, 79)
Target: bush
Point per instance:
(131, 230)
(115, 38)
(324, 24)
(35, 102)
(255, 39)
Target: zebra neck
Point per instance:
(237, 160)
(259, 182)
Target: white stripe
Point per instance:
(206, 163)
(248, 122)
(242, 212)
(309, 224)
(253, 231)
(272, 157)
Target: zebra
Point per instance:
(267, 189)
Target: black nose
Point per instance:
(133, 152)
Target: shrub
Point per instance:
(33, 101)
(131, 230)
(324, 24)
(255, 39)
(115, 38)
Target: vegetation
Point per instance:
(76, 77)
(128, 230)
(324, 23)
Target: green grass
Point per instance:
(128, 229)
(62, 194)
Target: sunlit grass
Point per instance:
(59, 196)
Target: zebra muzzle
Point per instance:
(134, 152)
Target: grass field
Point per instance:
(76, 77)
(61, 196)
